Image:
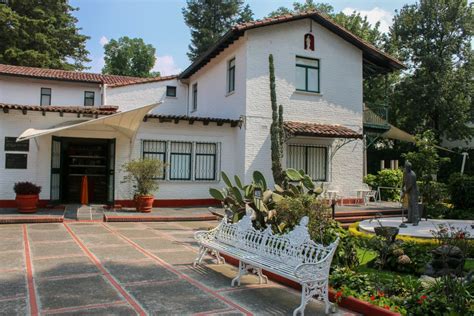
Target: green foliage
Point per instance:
(322, 228)
(142, 174)
(433, 37)
(210, 19)
(461, 188)
(419, 256)
(41, 34)
(129, 57)
(386, 178)
(307, 5)
(26, 188)
(276, 129)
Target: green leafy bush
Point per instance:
(322, 228)
(386, 178)
(461, 188)
(143, 174)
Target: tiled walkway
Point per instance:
(125, 269)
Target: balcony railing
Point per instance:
(376, 117)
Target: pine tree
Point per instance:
(210, 19)
(41, 34)
(276, 129)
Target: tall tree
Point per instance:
(434, 39)
(210, 19)
(129, 57)
(307, 5)
(41, 34)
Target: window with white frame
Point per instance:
(197, 161)
(231, 76)
(153, 149)
(313, 160)
(307, 74)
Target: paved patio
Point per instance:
(124, 269)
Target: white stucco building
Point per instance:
(215, 116)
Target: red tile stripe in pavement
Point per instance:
(136, 306)
(213, 312)
(29, 275)
(169, 267)
(81, 308)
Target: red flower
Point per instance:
(387, 307)
(338, 294)
(381, 294)
(422, 299)
(372, 298)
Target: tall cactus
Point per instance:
(276, 129)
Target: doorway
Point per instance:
(73, 159)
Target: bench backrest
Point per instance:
(293, 248)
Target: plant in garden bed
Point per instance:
(386, 178)
(143, 175)
(27, 196)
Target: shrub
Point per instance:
(322, 228)
(26, 188)
(461, 188)
(143, 174)
(386, 178)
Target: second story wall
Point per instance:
(213, 98)
(132, 96)
(27, 91)
(339, 100)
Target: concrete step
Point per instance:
(367, 212)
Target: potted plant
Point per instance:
(143, 175)
(27, 196)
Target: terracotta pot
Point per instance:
(144, 203)
(27, 203)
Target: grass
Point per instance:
(469, 265)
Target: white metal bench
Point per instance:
(293, 255)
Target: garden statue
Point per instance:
(410, 194)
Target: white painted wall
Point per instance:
(213, 99)
(340, 100)
(39, 155)
(26, 91)
(132, 96)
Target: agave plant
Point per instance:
(237, 197)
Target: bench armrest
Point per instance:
(313, 271)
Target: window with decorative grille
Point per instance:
(309, 158)
(153, 149)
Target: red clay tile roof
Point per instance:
(319, 130)
(57, 74)
(98, 110)
(373, 57)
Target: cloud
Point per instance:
(375, 15)
(103, 40)
(166, 65)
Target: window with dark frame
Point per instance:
(154, 149)
(313, 160)
(231, 76)
(170, 91)
(45, 96)
(195, 97)
(16, 161)
(307, 74)
(180, 160)
(89, 98)
(205, 161)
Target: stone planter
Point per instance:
(144, 203)
(27, 203)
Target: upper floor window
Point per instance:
(89, 98)
(45, 96)
(307, 74)
(231, 76)
(170, 91)
(313, 160)
(195, 97)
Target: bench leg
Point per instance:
(218, 256)
(242, 271)
(308, 291)
(261, 276)
(201, 253)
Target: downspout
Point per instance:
(103, 90)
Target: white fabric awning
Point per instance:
(126, 123)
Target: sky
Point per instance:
(160, 23)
